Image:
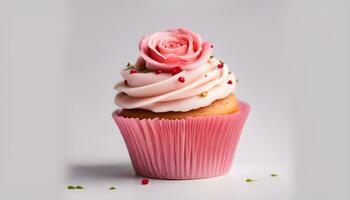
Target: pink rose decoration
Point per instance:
(174, 48)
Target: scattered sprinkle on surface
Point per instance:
(71, 187)
(112, 188)
(273, 175)
(249, 180)
(144, 181)
(80, 187)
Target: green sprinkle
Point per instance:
(112, 188)
(129, 66)
(274, 175)
(80, 187)
(211, 56)
(249, 180)
(71, 187)
(221, 61)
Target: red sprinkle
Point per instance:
(181, 79)
(125, 82)
(133, 71)
(144, 181)
(212, 46)
(158, 71)
(229, 82)
(176, 70)
(220, 65)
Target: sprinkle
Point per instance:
(211, 57)
(273, 175)
(129, 66)
(125, 82)
(133, 71)
(112, 188)
(71, 187)
(229, 82)
(80, 187)
(203, 94)
(206, 75)
(237, 81)
(181, 79)
(248, 180)
(144, 181)
(176, 70)
(158, 71)
(220, 65)
(212, 46)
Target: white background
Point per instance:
(60, 59)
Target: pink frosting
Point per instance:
(174, 48)
(163, 92)
(159, 91)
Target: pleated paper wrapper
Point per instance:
(191, 148)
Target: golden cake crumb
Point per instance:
(224, 106)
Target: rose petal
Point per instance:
(140, 63)
(171, 45)
(152, 42)
(202, 58)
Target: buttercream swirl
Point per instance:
(163, 92)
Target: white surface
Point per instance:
(232, 186)
(60, 59)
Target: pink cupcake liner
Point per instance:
(191, 148)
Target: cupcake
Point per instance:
(179, 115)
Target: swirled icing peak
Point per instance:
(175, 72)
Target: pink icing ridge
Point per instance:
(171, 95)
(166, 82)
